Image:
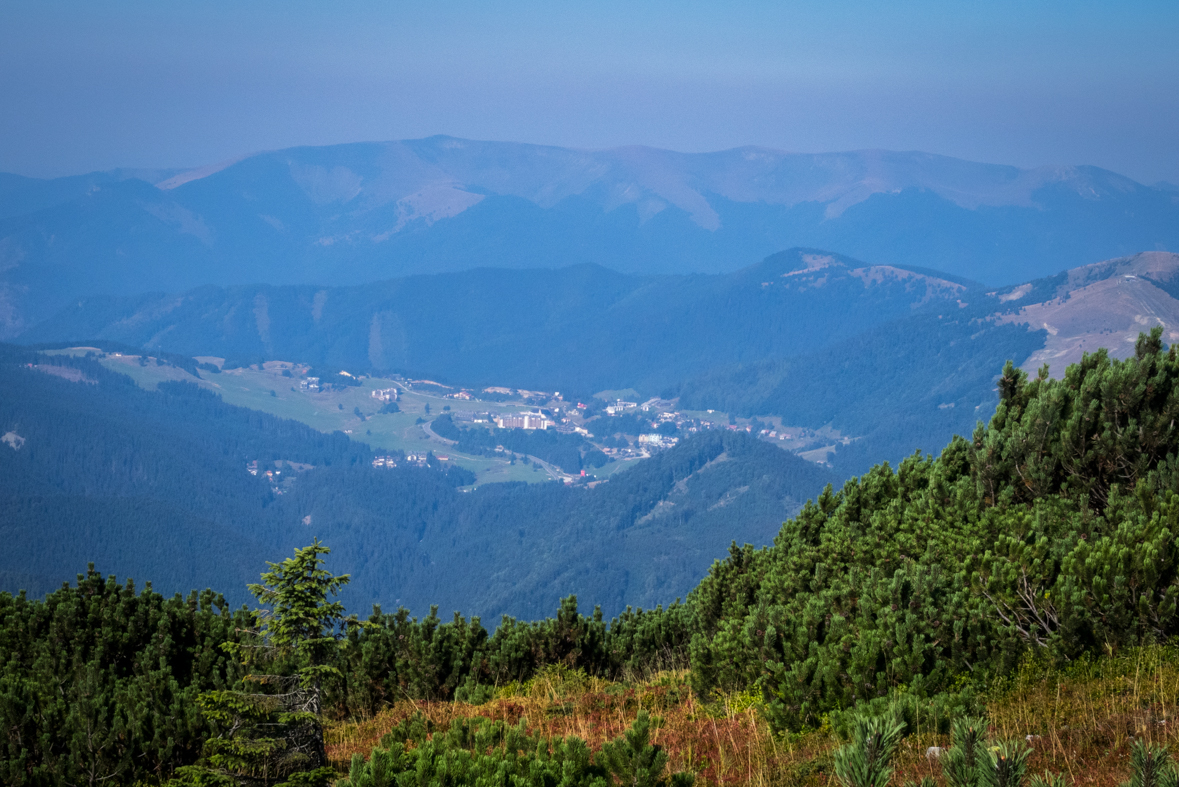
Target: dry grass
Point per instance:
(1089, 716)
(1084, 716)
(724, 743)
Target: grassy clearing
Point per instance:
(1086, 716)
(335, 411)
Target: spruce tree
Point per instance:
(275, 736)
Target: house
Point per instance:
(309, 384)
(385, 394)
(536, 420)
(620, 406)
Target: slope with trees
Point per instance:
(1052, 528)
(155, 483)
(1050, 532)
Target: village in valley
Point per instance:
(394, 415)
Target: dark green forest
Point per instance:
(1049, 530)
(107, 470)
(154, 484)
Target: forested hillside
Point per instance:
(1052, 528)
(582, 328)
(904, 386)
(1047, 536)
(912, 382)
(643, 538)
(155, 483)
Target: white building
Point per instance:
(657, 440)
(524, 421)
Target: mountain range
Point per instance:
(893, 358)
(582, 328)
(351, 214)
(912, 382)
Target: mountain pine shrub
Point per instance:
(867, 760)
(1151, 767)
(1053, 529)
(961, 763)
(482, 751)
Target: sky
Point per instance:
(95, 85)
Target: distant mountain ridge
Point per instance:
(913, 382)
(895, 358)
(350, 214)
(583, 328)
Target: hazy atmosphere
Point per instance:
(88, 86)
(521, 394)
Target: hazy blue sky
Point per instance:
(93, 85)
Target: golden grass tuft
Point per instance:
(1085, 716)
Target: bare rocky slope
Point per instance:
(1106, 304)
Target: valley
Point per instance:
(278, 388)
(198, 473)
(589, 395)
(825, 345)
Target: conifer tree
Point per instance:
(275, 736)
(636, 762)
(1006, 766)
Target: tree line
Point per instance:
(1050, 530)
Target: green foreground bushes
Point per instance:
(1051, 530)
(482, 751)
